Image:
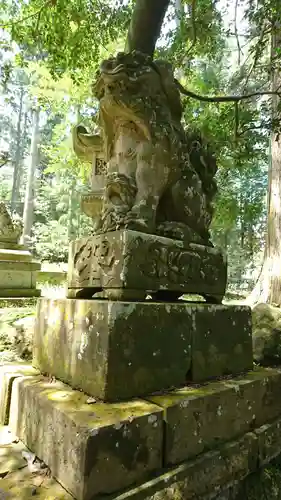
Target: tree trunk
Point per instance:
(29, 193)
(268, 287)
(71, 211)
(18, 159)
(145, 26)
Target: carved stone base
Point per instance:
(121, 350)
(129, 265)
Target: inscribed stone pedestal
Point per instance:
(145, 263)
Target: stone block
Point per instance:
(221, 341)
(269, 437)
(201, 477)
(119, 350)
(8, 373)
(199, 419)
(18, 278)
(90, 449)
(130, 260)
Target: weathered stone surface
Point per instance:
(8, 373)
(18, 278)
(196, 479)
(222, 341)
(133, 260)
(267, 334)
(90, 448)
(21, 255)
(269, 436)
(10, 225)
(118, 350)
(199, 419)
(113, 350)
(159, 178)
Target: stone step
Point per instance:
(97, 449)
(90, 449)
(209, 476)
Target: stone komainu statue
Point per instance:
(10, 225)
(160, 179)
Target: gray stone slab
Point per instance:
(132, 260)
(90, 449)
(202, 418)
(8, 373)
(119, 350)
(198, 478)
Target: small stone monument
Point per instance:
(18, 270)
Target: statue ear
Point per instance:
(166, 73)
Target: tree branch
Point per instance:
(227, 98)
(30, 16)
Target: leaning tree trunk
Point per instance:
(145, 26)
(268, 287)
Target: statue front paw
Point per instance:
(139, 219)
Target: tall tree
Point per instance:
(268, 287)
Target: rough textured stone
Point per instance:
(113, 350)
(118, 350)
(269, 436)
(196, 479)
(8, 373)
(200, 419)
(18, 278)
(159, 177)
(133, 260)
(267, 334)
(90, 448)
(222, 341)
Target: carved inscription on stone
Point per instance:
(142, 261)
(92, 257)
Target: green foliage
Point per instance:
(60, 44)
(68, 34)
